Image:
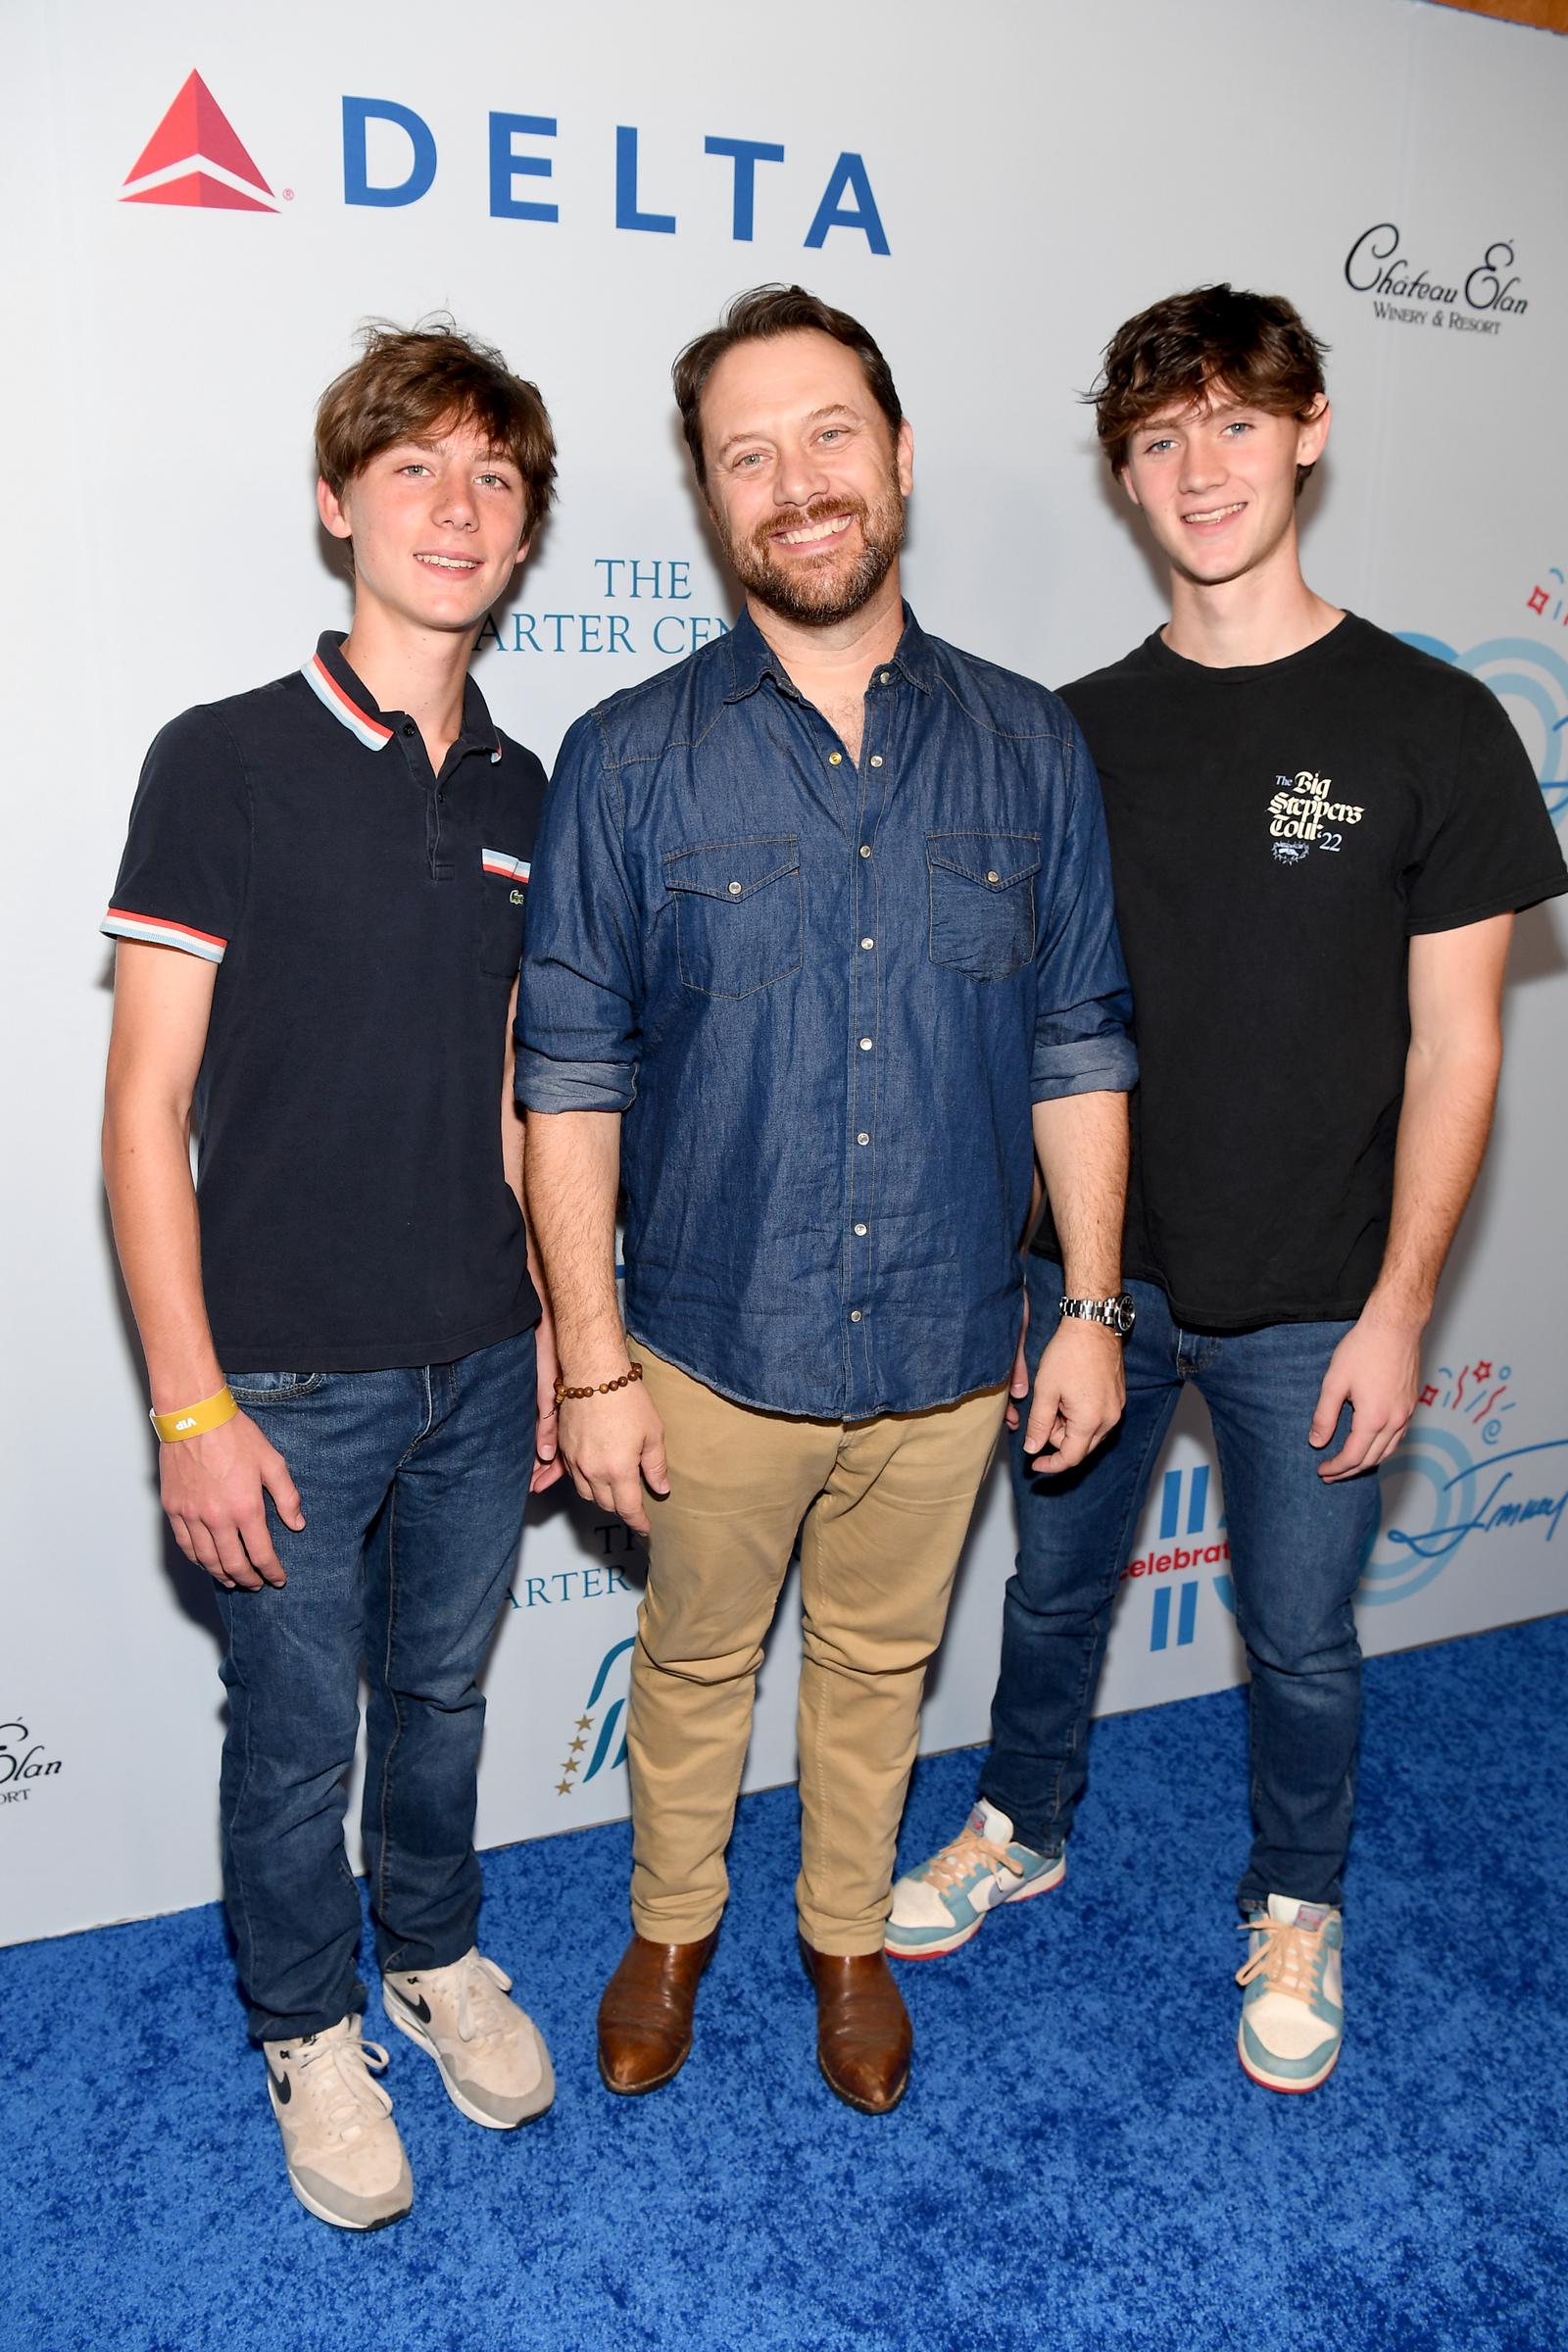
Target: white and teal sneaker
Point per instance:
(940, 1905)
(1293, 2008)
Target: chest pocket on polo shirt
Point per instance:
(505, 880)
(740, 924)
(982, 900)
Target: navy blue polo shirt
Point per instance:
(365, 916)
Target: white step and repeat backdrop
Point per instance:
(994, 190)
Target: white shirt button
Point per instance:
(863, 1139)
(860, 1230)
(835, 758)
(865, 1045)
(885, 680)
(868, 941)
(855, 1314)
(865, 849)
(993, 877)
(734, 889)
(876, 759)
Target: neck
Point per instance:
(422, 672)
(1263, 615)
(838, 658)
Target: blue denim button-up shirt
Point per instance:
(824, 997)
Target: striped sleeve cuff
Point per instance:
(159, 932)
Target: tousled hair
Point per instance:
(1256, 347)
(409, 381)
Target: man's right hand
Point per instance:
(214, 1488)
(611, 1444)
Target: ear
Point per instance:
(1311, 436)
(1124, 475)
(333, 511)
(904, 456)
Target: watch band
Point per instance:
(1117, 1314)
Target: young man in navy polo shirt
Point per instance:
(319, 918)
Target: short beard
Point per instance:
(824, 599)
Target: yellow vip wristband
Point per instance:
(211, 1413)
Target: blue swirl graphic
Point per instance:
(1409, 1551)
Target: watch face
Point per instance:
(1126, 1313)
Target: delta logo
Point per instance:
(195, 157)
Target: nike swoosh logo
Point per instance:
(419, 2008)
(282, 2085)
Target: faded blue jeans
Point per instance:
(413, 1485)
(1298, 1549)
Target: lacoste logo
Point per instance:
(520, 898)
(195, 158)
(419, 2008)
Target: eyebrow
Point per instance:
(1171, 423)
(836, 408)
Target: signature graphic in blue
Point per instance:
(1467, 1497)
(1531, 681)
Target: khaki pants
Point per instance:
(884, 1505)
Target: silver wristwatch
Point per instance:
(1118, 1315)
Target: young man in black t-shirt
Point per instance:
(1319, 838)
(320, 924)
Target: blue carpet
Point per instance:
(1079, 2163)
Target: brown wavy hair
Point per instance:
(756, 317)
(409, 381)
(1256, 346)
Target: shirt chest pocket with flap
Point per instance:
(982, 900)
(740, 922)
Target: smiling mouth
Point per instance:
(812, 534)
(1216, 514)
(456, 563)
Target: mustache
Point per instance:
(803, 519)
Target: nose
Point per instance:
(454, 501)
(801, 476)
(1203, 464)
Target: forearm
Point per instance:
(572, 1169)
(1081, 1143)
(152, 1200)
(1449, 1090)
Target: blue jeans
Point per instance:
(1298, 1549)
(413, 1485)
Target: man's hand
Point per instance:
(611, 1444)
(214, 1488)
(1018, 1385)
(547, 1463)
(1079, 1388)
(1377, 1369)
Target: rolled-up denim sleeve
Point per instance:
(579, 999)
(1083, 1004)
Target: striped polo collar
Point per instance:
(337, 689)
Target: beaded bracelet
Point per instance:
(602, 1389)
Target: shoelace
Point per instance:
(482, 2014)
(336, 2078)
(956, 1860)
(1287, 1957)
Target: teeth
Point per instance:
(1215, 514)
(449, 563)
(818, 530)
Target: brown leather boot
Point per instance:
(864, 2035)
(645, 2014)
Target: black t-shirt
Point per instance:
(366, 920)
(1277, 835)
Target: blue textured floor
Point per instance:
(1079, 2163)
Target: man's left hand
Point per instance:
(1080, 1390)
(1376, 1369)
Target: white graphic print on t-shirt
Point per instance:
(1302, 811)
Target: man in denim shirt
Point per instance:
(820, 955)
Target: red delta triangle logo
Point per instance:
(195, 158)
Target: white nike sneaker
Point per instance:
(346, 2163)
(942, 1904)
(492, 2056)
